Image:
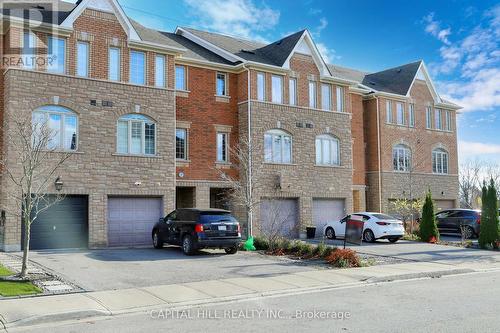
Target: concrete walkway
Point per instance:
(34, 310)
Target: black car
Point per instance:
(454, 220)
(196, 229)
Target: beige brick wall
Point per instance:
(96, 170)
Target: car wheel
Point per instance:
(468, 232)
(394, 240)
(231, 250)
(330, 233)
(368, 236)
(157, 242)
(187, 245)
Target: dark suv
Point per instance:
(453, 220)
(196, 229)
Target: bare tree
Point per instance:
(34, 160)
(277, 219)
(244, 188)
(470, 182)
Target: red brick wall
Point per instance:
(203, 111)
(370, 134)
(358, 137)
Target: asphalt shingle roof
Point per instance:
(395, 80)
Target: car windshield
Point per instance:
(215, 217)
(383, 217)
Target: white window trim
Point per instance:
(403, 120)
(411, 115)
(32, 55)
(50, 40)
(226, 86)
(62, 132)
(119, 64)
(440, 153)
(78, 58)
(164, 85)
(185, 70)
(186, 145)
(294, 101)
(389, 114)
(263, 75)
(438, 119)
(343, 99)
(280, 77)
(330, 90)
(428, 117)
(313, 104)
(331, 139)
(448, 125)
(145, 68)
(405, 150)
(143, 137)
(226, 147)
(282, 134)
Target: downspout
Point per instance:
(379, 158)
(249, 171)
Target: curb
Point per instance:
(84, 314)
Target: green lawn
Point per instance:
(8, 289)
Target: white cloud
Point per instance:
(236, 17)
(476, 60)
(329, 55)
(433, 27)
(323, 23)
(468, 150)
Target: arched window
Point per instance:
(327, 150)
(440, 161)
(61, 125)
(136, 135)
(401, 155)
(277, 147)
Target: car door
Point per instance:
(340, 227)
(166, 229)
(441, 219)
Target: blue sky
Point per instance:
(459, 41)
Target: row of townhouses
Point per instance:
(151, 119)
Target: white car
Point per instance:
(377, 226)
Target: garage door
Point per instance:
(327, 210)
(279, 216)
(130, 220)
(444, 204)
(62, 226)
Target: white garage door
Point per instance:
(327, 210)
(130, 220)
(279, 216)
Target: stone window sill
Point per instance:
(182, 93)
(222, 98)
(140, 156)
(223, 165)
(180, 162)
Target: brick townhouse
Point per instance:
(150, 118)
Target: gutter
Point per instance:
(249, 125)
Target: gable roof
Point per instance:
(396, 80)
(277, 53)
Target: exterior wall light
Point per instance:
(58, 184)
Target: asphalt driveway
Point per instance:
(110, 269)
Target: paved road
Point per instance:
(464, 303)
(111, 269)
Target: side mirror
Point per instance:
(161, 219)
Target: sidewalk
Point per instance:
(29, 311)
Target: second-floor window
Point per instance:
(82, 59)
(401, 156)
(221, 85)
(114, 64)
(389, 114)
(277, 89)
(137, 67)
(327, 150)
(136, 135)
(292, 91)
(440, 161)
(160, 71)
(400, 112)
(57, 54)
(28, 50)
(340, 99)
(412, 115)
(181, 144)
(438, 122)
(277, 147)
(180, 78)
(57, 124)
(428, 117)
(326, 96)
(312, 94)
(448, 121)
(261, 86)
(222, 154)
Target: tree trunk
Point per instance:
(249, 222)
(26, 248)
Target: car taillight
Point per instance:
(198, 228)
(478, 220)
(383, 223)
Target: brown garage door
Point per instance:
(130, 220)
(444, 204)
(279, 216)
(327, 210)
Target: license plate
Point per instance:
(222, 228)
